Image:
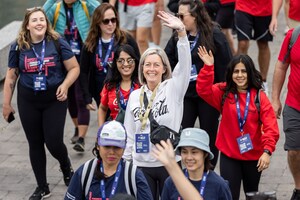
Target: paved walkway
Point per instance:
(17, 180)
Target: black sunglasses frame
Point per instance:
(112, 20)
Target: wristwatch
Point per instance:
(268, 152)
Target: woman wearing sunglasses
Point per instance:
(119, 84)
(104, 37)
(201, 31)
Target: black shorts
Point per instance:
(246, 24)
(225, 16)
(291, 128)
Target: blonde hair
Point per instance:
(164, 58)
(24, 38)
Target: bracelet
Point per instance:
(180, 29)
(268, 152)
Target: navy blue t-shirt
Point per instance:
(53, 67)
(75, 190)
(216, 188)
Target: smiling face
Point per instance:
(37, 26)
(187, 19)
(193, 159)
(125, 64)
(239, 77)
(110, 155)
(153, 69)
(108, 29)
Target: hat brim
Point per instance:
(110, 142)
(192, 143)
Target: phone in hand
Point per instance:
(11, 117)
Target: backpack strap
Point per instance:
(129, 176)
(84, 6)
(87, 175)
(56, 13)
(257, 103)
(293, 39)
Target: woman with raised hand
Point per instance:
(119, 84)
(161, 97)
(46, 67)
(248, 132)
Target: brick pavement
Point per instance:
(17, 180)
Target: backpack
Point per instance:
(129, 176)
(293, 39)
(56, 13)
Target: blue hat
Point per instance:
(195, 137)
(112, 133)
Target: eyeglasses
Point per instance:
(112, 20)
(181, 16)
(122, 61)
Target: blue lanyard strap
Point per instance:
(115, 183)
(123, 103)
(72, 23)
(203, 181)
(194, 42)
(104, 62)
(40, 59)
(237, 103)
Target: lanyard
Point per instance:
(111, 43)
(40, 59)
(194, 42)
(143, 118)
(203, 182)
(237, 103)
(72, 23)
(115, 183)
(122, 101)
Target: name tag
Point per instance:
(194, 73)
(142, 143)
(244, 143)
(75, 47)
(39, 82)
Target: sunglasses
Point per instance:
(122, 61)
(112, 20)
(181, 16)
(34, 9)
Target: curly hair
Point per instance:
(95, 30)
(24, 38)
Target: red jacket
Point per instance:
(263, 136)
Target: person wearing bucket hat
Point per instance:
(109, 172)
(196, 156)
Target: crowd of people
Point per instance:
(87, 56)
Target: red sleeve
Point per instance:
(284, 47)
(211, 93)
(104, 96)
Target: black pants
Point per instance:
(235, 171)
(208, 117)
(43, 120)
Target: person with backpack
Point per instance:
(289, 56)
(108, 174)
(45, 67)
(246, 138)
(71, 19)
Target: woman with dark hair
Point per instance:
(201, 31)
(119, 84)
(247, 134)
(196, 155)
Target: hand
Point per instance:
(91, 107)
(6, 110)
(170, 20)
(263, 162)
(164, 152)
(273, 27)
(207, 58)
(62, 93)
(277, 108)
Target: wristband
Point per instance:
(180, 29)
(268, 152)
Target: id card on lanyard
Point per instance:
(123, 102)
(244, 141)
(103, 62)
(74, 41)
(39, 80)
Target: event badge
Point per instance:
(194, 73)
(39, 82)
(75, 47)
(245, 143)
(142, 143)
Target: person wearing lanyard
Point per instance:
(109, 175)
(246, 137)
(163, 91)
(195, 153)
(70, 19)
(119, 85)
(45, 75)
(104, 37)
(201, 31)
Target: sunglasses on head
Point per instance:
(112, 20)
(34, 9)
